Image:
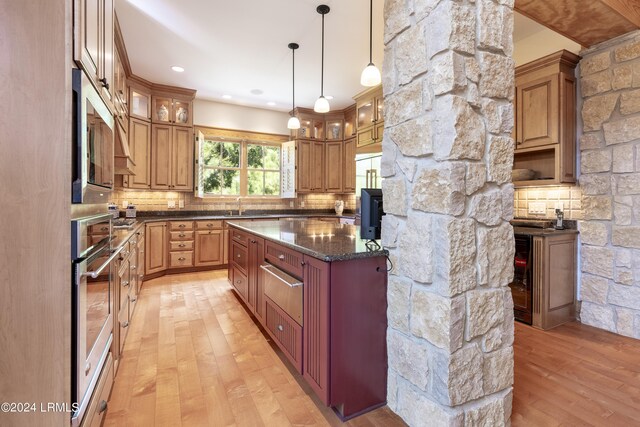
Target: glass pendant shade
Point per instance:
(293, 123)
(370, 76)
(321, 105)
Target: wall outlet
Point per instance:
(125, 203)
(291, 203)
(537, 208)
(181, 204)
(171, 204)
(302, 203)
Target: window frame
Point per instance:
(223, 168)
(244, 138)
(263, 169)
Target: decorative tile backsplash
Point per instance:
(569, 196)
(159, 201)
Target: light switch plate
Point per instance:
(537, 208)
(181, 204)
(171, 204)
(302, 204)
(125, 203)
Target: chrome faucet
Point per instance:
(239, 200)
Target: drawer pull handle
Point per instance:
(134, 299)
(104, 229)
(209, 225)
(102, 407)
(181, 226)
(182, 245)
(87, 368)
(181, 235)
(253, 241)
(125, 284)
(238, 281)
(133, 267)
(181, 258)
(125, 324)
(281, 257)
(280, 328)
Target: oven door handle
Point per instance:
(94, 274)
(290, 283)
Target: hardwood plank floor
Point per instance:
(195, 357)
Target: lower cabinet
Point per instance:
(98, 404)
(209, 248)
(338, 343)
(156, 247)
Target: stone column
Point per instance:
(447, 160)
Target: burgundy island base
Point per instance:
(321, 294)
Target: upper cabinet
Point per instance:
(93, 43)
(545, 127)
(170, 110)
(139, 102)
(369, 118)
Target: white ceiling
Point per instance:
(236, 47)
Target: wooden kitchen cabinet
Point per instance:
(350, 122)
(254, 276)
(171, 158)
(369, 120)
(545, 119)
(93, 43)
(349, 166)
(209, 247)
(310, 166)
(140, 150)
(155, 247)
(181, 244)
(333, 166)
(139, 102)
(168, 109)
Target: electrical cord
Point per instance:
(372, 245)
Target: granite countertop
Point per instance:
(532, 231)
(326, 241)
(122, 235)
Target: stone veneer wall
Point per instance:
(570, 196)
(157, 201)
(610, 181)
(448, 81)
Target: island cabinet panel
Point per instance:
(358, 352)
(316, 326)
(240, 283)
(256, 291)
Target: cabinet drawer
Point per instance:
(239, 256)
(285, 331)
(208, 225)
(181, 235)
(240, 283)
(239, 236)
(181, 259)
(123, 322)
(98, 403)
(180, 225)
(283, 258)
(181, 245)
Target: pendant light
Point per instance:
(293, 123)
(322, 105)
(370, 75)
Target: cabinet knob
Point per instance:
(133, 267)
(238, 255)
(281, 257)
(253, 241)
(280, 328)
(182, 245)
(102, 406)
(125, 324)
(125, 284)
(182, 235)
(181, 258)
(238, 281)
(105, 83)
(134, 299)
(181, 226)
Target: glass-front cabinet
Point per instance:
(350, 122)
(139, 103)
(334, 128)
(171, 110)
(370, 118)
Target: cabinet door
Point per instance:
(256, 258)
(155, 247)
(317, 167)
(161, 157)
(141, 259)
(333, 167)
(304, 166)
(87, 37)
(349, 166)
(181, 112)
(315, 339)
(140, 149)
(182, 159)
(106, 75)
(225, 241)
(139, 103)
(209, 247)
(240, 283)
(537, 112)
(379, 116)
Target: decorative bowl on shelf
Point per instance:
(523, 174)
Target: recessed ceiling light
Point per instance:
(177, 69)
(226, 96)
(329, 97)
(271, 103)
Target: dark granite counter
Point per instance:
(531, 231)
(327, 241)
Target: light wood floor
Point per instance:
(195, 357)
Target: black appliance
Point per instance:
(522, 285)
(371, 213)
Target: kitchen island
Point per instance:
(320, 293)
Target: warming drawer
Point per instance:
(284, 290)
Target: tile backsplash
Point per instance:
(570, 196)
(159, 201)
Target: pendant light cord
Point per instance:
(293, 67)
(371, 32)
(322, 62)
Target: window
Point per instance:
(229, 168)
(263, 174)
